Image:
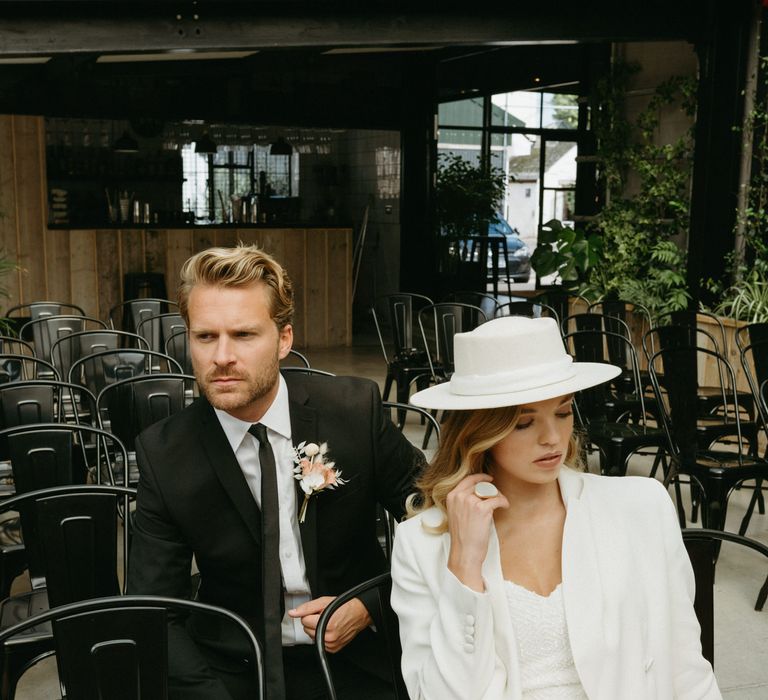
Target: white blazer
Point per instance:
(627, 586)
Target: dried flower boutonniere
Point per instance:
(313, 472)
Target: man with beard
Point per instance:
(217, 482)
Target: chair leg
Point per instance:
(387, 387)
(761, 596)
(750, 508)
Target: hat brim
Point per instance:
(586, 375)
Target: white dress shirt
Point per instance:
(277, 421)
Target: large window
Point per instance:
(533, 137)
(213, 180)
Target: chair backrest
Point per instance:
(487, 302)
(592, 321)
(421, 414)
(691, 318)
(15, 368)
(39, 309)
(128, 315)
(594, 346)
(676, 335)
(531, 309)
(295, 359)
(678, 403)
(47, 330)
(72, 347)
(702, 545)
(440, 322)
(116, 647)
(43, 401)
(100, 369)
(133, 404)
(307, 370)
(157, 329)
(56, 454)
(751, 333)
(75, 535)
(386, 625)
(177, 347)
(15, 346)
(398, 312)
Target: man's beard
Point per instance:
(250, 389)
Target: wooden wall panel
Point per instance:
(8, 203)
(156, 251)
(109, 272)
(339, 319)
(82, 269)
(31, 219)
(132, 254)
(316, 283)
(179, 249)
(57, 264)
(294, 262)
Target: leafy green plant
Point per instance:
(566, 252)
(747, 299)
(640, 261)
(467, 196)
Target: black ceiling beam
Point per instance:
(125, 26)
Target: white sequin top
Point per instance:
(546, 662)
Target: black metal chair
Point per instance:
(489, 252)
(486, 302)
(177, 347)
(295, 359)
(129, 314)
(386, 626)
(14, 368)
(614, 420)
(15, 346)
(127, 407)
(117, 647)
(438, 324)
(44, 401)
(703, 548)
(715, 471)
(307, 370)
(100, 369)
(70, 348)
(715, 402)
(45, 331)
(407, 363)
(70, 536)
(531, 309)
(39, 309)
(157, 329)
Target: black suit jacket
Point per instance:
(193, 499)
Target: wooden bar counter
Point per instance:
(87, 266)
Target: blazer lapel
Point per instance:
(583, 588)
(304, 429)
(227, 468)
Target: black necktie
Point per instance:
(272, 586)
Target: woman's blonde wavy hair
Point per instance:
(466, 437)
(240, 266)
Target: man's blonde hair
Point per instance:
(239, 267)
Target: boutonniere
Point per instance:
(313, 472)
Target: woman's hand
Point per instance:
(470, 519)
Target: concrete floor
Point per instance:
(741, 634)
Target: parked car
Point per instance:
(518, 252)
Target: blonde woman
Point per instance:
(518, 576)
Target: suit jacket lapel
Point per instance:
(227, 468)
(304, 428)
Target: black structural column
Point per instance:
(722, 60)
(418, 257)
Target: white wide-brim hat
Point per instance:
(510, 361)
